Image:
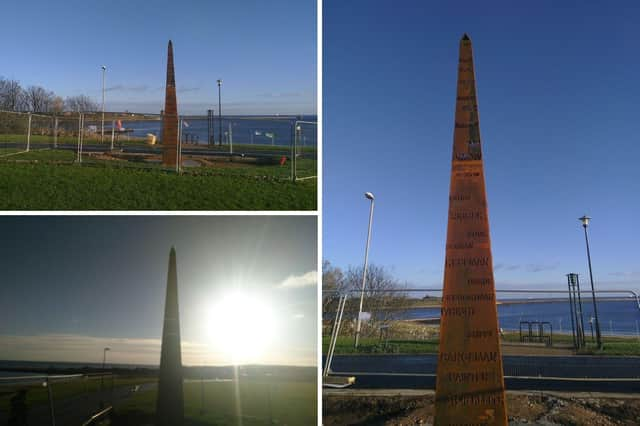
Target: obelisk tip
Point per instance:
(173, 251)
(465, 37)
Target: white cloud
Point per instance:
(307, 279)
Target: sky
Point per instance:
(76, 284)
(558, 121)
(265, 52)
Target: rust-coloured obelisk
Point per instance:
(170, 117)
(470, 382)
(170, 404)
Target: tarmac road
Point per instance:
(558, 373)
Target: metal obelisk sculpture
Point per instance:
(169, 405)
(470, 383)
(170, 116)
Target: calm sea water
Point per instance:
(616, 317)
(246, 130)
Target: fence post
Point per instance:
(230, 139)
(113, 130)
(29, 132)
(55, 132)
(79, 129)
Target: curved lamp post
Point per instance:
(585, 222)
(370, 197)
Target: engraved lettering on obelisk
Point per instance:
(470, 382)
(170, 116)
(169, 403)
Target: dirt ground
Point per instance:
(525, 408)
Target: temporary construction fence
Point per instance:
(400, 320)
(288, 142)
(56, 399)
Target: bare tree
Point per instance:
(39, 99)
(11, 95)
(383, 297)
(80, 103)
(332, 284)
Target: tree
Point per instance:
(332, 284)
(80, 103)
(11, 95)
(57, 106)
(382, 296)
(39, 99)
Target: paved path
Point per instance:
(560, 373)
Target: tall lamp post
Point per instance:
(585, 222)
(219, 112)
(369, 196)
(104, 70)
(104, 360)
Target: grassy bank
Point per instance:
(49, 180)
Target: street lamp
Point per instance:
(104, 70)
(104, 360)
(220, 112)
(369, 196)
(585, 222)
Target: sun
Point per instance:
(241, 325)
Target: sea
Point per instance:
(616, 317)
(277, 131)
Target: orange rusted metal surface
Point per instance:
(470, 382)
(170, 117)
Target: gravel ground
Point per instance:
(525, 408)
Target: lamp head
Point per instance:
(219, 83)
(104, 67)
(369, 196)
(585, 220)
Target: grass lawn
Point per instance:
(369, 345)
(38, 394)
(612, 345)
(49, 180)
(260, 402)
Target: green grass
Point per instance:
(107, 185)
(368, 345)
(38, 394)
(237, 147)
(612, 346)
(293, 403)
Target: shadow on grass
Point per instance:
(141, 418)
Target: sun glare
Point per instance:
(242, 327)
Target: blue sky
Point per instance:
(558, 120)
(73, 285)
(265, 52)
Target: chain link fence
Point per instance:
(407, 321)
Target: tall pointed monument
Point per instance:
(170, 404)
(470, 382)
(170, 116)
